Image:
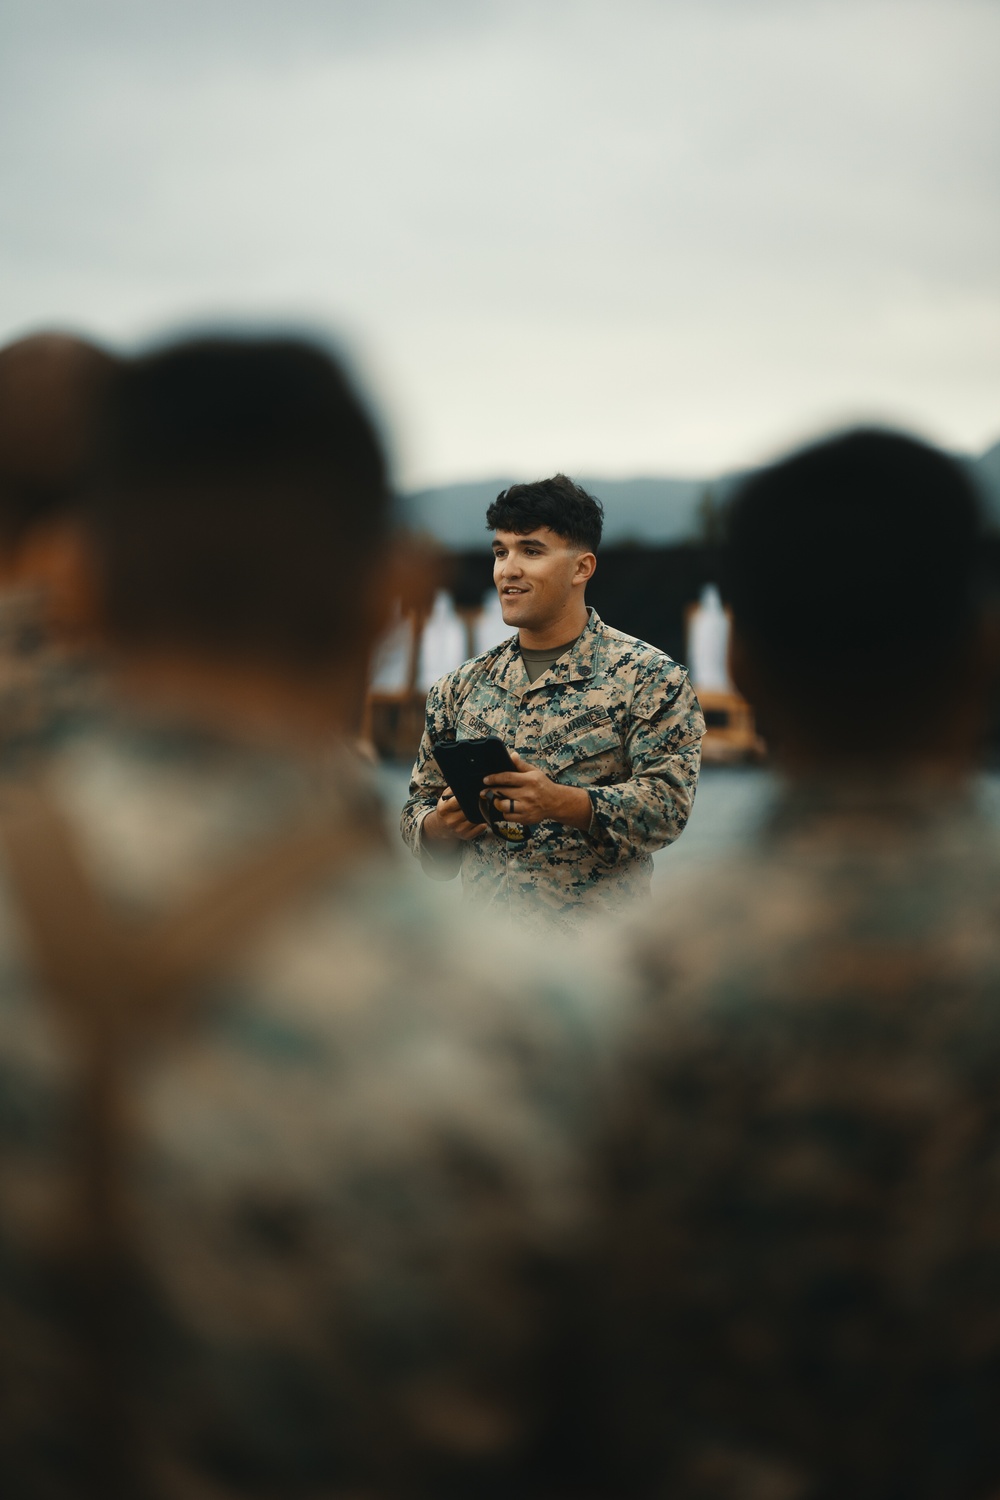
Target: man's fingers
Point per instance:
(507, 778)
(515, 777)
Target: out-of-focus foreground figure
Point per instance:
(51, 389)
(288, 1169)
(805, 1215)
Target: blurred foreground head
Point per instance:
(51, 388)
(853, 572)
(230, 552)
(243, 506)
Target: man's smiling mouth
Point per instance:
(510, 589)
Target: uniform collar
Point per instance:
(507, 668)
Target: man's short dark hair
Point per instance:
(854, 565)
(242, 503)
(558, 503)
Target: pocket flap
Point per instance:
(586, 738)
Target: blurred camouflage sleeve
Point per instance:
(663, 744)
(427, 784)
(802, 1205)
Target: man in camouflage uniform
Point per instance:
(804, 1208)
(605, 733)
(296, 1228)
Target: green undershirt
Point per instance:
(538, 662)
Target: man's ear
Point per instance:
(59, 559)
(586, 563)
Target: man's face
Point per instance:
(534, 576)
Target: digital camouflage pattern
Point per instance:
(613, 715)
(38, 680)
(804, 1214)
(355, 1175)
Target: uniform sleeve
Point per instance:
(663, 744)
(427, 784)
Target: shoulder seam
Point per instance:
(648, 651)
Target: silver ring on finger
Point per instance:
(512, 804)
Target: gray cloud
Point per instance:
(203, 33)
(622, 237)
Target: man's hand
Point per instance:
(528, 796)
(447, 823)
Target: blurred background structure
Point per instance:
(650, 243)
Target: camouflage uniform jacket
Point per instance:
(353, 1171)
(39, 682)
(613, 715)
(804, 1203)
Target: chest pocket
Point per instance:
(586, 751)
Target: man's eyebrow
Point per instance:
(527, 541)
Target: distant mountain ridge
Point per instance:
(656, 511)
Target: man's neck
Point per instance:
(567, 627)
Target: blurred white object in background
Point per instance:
(392, 656)
(444, 644)
(490, 627)
(708, 643)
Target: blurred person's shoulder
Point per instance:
(827, 881)
(361, 1009)
(160, 808)
(412, 1090)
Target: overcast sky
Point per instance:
(611, 236)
